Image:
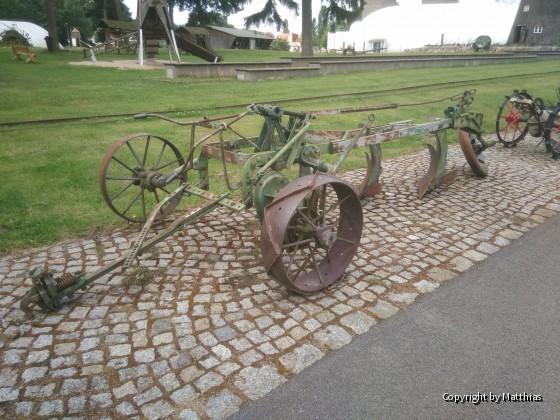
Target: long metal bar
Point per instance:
(83, 281)
(337, 146)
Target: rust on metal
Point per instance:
(311, 225)
(311, 232)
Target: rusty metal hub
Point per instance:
(311, 232)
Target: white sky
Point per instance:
(295, 21)
(236, 20)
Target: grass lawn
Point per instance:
(49, 171)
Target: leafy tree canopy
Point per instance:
(24, 10)
(209, 12)
(342, 13)
(269, 14)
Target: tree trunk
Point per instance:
(51, 22)
(118, 9)
(306, 29)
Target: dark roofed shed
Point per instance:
(229, 38)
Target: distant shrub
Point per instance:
(14, 36)
(280, 45)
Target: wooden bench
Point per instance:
(22, 50)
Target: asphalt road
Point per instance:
(493, 330)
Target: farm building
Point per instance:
(228, 38)
(537, 23)
(200, 36)
(416, 23)
(117, 28)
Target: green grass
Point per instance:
(49, 171)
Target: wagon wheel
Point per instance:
(126, 172)
(512, 121)
(473, 154)
(552, 133)
(311, 232)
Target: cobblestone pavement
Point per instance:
(211, 332)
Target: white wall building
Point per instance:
(413, 25)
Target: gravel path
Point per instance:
(211, 332)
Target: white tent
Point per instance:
(33, 33)
(413, 25)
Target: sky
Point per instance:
(294, 22)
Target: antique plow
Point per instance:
(311, 225)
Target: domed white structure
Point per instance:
(413, 25)
(34, 34)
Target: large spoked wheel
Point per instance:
(552, 133)
(127, 172)
(512, 121)
(473, 153)
(311, 232)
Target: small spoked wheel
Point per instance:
(311, 232)
(128, 172)
(512, 121)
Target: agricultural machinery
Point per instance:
(521, 114)
(311, 220)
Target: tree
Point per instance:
(337, 11)
(74, 16)
(203, 18)
(280, 45)
(24, 10)
(208, 12)
(51, 23)
(106, 9)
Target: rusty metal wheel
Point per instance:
(512, 121)
(552, 133)
(127, 170)
(473, 153)
(311, 232)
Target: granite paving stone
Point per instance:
(211, 332)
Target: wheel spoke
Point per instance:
(122, 163)
(307, 219)
(294, 253)
(334, 206)
(133, 201)
(160, 155)
(302, 266)
(159, 168)
(114, 178)
(146, 151)
(134, 153)
(122, 190)
(317, 268)
(297, 243)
